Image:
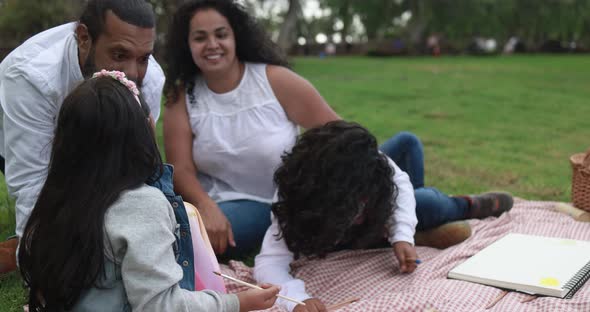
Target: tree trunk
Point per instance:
(287, 31)
(418, 24)
(346, 16)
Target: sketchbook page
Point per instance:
(532, 262)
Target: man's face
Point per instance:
(121, 46)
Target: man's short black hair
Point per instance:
(134, 12)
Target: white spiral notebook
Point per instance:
(532, 264)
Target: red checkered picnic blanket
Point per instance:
(374, 277)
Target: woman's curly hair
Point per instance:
(252, 43)
(335, 191)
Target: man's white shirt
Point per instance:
(35, 78)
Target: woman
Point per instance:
(233, 107)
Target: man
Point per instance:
(37, 76)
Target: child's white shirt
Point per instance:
(272, 265)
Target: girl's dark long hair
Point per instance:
(335, 191)
(104, 144)
(252, 43)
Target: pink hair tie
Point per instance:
(120, 77)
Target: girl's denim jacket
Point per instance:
(183, 249)
(110, 295)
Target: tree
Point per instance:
(21, 19)
(343, 11)
(459, 21)
(164, 10)
(287, 31)
(377, 16)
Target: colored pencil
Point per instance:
(255, 287)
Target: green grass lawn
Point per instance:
(487, 123)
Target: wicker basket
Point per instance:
(581, 180)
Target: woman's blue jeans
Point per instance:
(433, 207)
(249, 221)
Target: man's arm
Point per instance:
(28, 131)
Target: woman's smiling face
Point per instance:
(212, 42)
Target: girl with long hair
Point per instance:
(99, 237)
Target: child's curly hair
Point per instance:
(335, 190)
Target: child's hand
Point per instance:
(311, 305)
(258, 299)
(406, 255)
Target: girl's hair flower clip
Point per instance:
(120, 76)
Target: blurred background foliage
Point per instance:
(358, 27)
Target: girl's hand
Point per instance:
(258, 299)
(311, 305)
(406, 255)
(217, 226)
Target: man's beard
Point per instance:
(89, 67)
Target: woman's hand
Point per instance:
(178, 141)
(258, 299)
(406, 255)
(217, 226)
(311, 305)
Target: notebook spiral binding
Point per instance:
(577, 281)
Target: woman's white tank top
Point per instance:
(239, 137)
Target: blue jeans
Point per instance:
(249, 221)
(433, 207)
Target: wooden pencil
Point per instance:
(255, 287)
(497, 299)
(337, 306)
